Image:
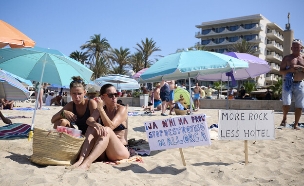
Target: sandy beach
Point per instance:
(271, 162)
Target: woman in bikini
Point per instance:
(106, 140)
(77, 111)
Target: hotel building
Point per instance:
(266, 37)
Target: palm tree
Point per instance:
(147, 48)
(82, 57)
(243, 47)
(101, 68)
(96, 47)
(120, 57)
(137, 62)
(218, 86)
(277, 89)
(249, 87)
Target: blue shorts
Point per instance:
(196, 96)
(171, 95)
(297, 91)
(157, 103)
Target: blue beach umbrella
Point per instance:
(190, 64)
(42, 65)
(12, 89)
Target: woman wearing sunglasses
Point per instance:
(77, 111)
(106, 140)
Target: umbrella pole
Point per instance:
(191, 101)
(227, 94)
(30, 136)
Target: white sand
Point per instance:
(272, 162)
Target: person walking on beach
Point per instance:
(196, 96)
(292, 69)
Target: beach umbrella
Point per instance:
(257, 66)
(190, 64)
(42, 65)
(11, 36)
(139, 73)
(180, 91)
(12, 89)
(119, 81)
(20, 79)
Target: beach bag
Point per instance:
(54, 148)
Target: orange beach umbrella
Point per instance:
(9, 35)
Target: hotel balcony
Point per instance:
(271, 77)
(275, 67)
(272, 34)
(274, 57)
(274, 46)
(254, 29)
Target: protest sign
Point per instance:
(246, 125)
(177, 132)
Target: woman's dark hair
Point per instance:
(104, 88)
(77, 82)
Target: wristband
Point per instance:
(62, 114)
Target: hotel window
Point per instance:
(219, 30)
(218, 40)
(205, 42)
(233, 28)
(206, 31)
(249, 26)
(250, 37)
(233, 39)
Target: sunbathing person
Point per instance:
(6, 104)
(106, 140)
(77, 111)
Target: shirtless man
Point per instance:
(292, 69)
(156, 97)
(197, 95)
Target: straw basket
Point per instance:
(180, 112)
(53, 148)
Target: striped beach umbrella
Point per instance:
(12, 89)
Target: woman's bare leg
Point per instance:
(115, 150)
(88, 144)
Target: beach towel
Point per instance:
(135, 158)
(14, 131)
(29, 108)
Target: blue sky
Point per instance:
(67, 24)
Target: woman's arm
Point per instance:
(61, 114)
(119, 118)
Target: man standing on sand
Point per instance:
(292, 69)
(164, 95)
(196, 96)
(156, 97)
(171, 97)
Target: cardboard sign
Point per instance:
(246, 125)
(178, 132)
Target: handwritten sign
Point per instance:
(178, 132)
(246, 125)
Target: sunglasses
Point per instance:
(111, 95)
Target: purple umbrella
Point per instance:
(257, 66)
(139, 73)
